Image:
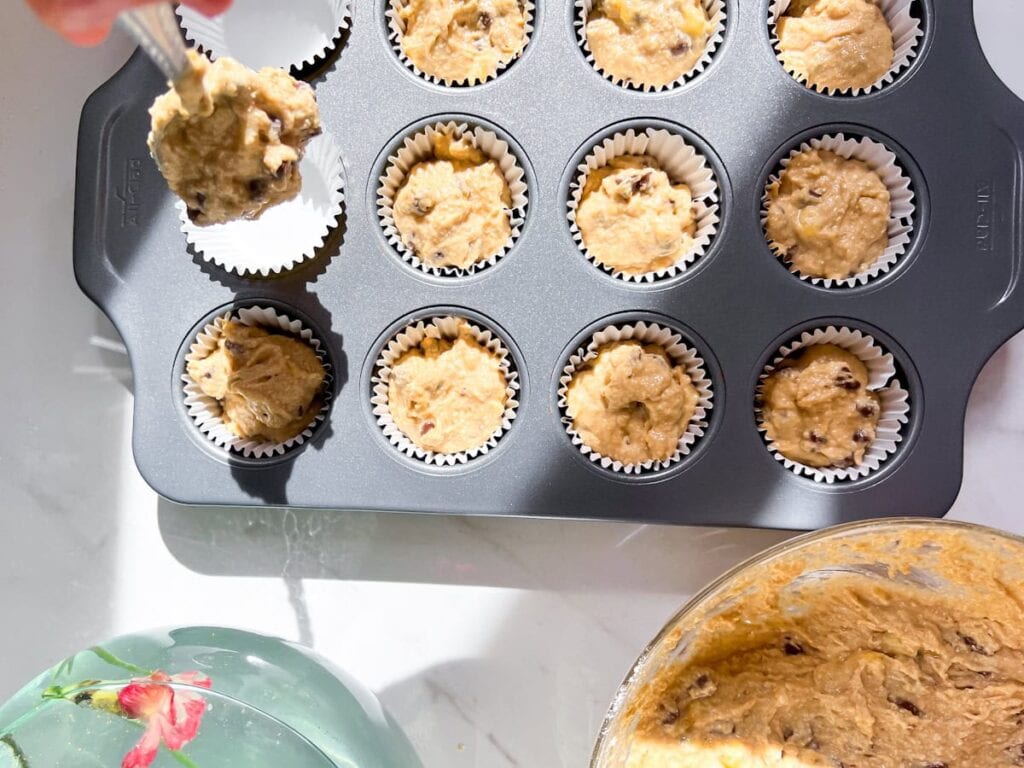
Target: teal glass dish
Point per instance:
(199, 697)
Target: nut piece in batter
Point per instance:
(228, 140)
(631, 403)
(817, 410)
(448, 394)
(268, 385)
(848, 668)
(459, 40)
(828, 216)
(648, 42)
(836, 44)
(453, 210)
(633, 218)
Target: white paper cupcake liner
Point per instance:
(269, 33)
(716, 13)
(206, 412)
(410, 337)
(906, 35)
(286, 234)
(682, 162)
(680, 352)
(396, 28)
(893, 401)
(882, 161)
(419, 147)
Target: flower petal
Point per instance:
(143, 753)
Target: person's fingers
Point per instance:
(87, 22)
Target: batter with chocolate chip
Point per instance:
(848, 667)
(462, 40)
(453, 209)
(633, 219)
(828, 216)
(448, 394)
(631, 403)
(228, 140)
(268, 384)
(817, 410)
(648, 42)
(837, 44)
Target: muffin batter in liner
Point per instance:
(396, 28)
(882, 161)
(906, 37)
(205, 411)
(892, 397)
(716, 14)
(419, 147)
(409, 338)
(681, 162)
(270, 33)
(286, 234)
(680, 352)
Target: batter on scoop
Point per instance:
(228, 140)
(631, 403)
(462, 40)
(837, 44)
(647, 42)
(817, 408)
(268, 385)
(848, 670)
(453, 210)
(828, 216)
(448, 395)
(633, 218)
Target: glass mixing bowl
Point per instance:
(908, 551)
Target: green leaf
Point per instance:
(182, 758)
(113, 660)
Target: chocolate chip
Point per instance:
(907, 706)
(702, 680)
(257, 188)
(437, 257)
(301, 410)
(973, 645)
(787, 733)
(233, 347)
(814, 437)
(485, 20)
(421, 207)
(681, 48)
(283, 169)
(670, 717)
(200, 199)
(848, 382)
(792, 647)
(207, 375)
(193, 214)
(427, 426)
(642, 182)
(867, 409)
(936, 765)
(860, 436)
(815, 193)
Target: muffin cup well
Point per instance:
(420, 147)
(893, 400)
(409, 338)
(269, 33)
(206, 412)
(396, 28)
(882, 161)
(716, 12)
(906, 38)
(680, 352)
(681, 162)
(283, 235)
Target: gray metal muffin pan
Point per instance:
(950, 302)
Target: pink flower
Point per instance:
(170, 716)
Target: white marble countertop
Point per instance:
(494, 642)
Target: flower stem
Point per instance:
(19, 756)
(182, 758)
(113, 660)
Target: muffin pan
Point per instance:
(948, 302)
